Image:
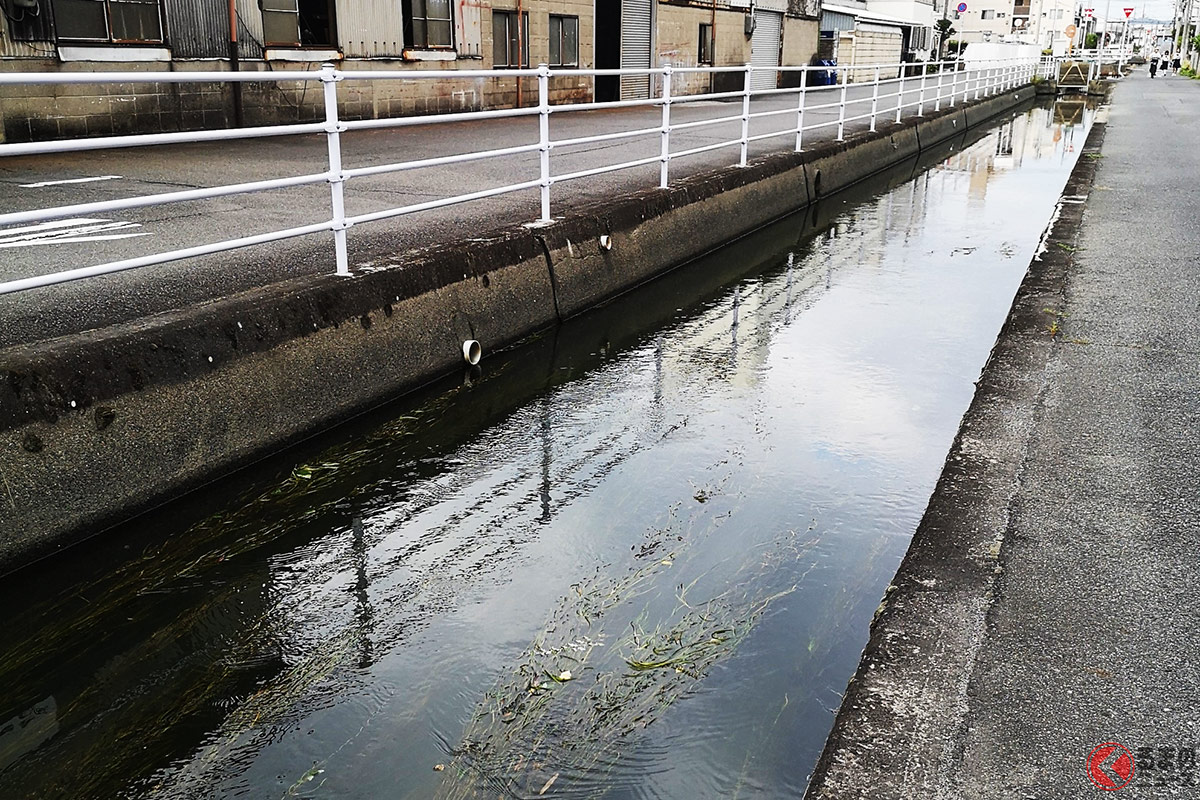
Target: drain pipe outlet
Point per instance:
(472, 351)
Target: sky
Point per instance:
(1154, 9)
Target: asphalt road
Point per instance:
(31, 182)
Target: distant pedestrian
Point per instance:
(1153, 66)
(1175, 65)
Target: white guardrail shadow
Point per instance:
(889, 94)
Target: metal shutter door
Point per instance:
(635, 47)
(764, 48)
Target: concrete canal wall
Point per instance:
(98, 427)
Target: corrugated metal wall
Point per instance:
(370, 28)
(28, 35)
(250, 29)
(197, 28)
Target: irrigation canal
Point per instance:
(636, 557)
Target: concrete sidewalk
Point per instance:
(1049, 602)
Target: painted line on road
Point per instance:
(68, 231)
(70, 180)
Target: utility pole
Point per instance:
(1174, 30)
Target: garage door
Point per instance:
(764, 48)
(635, 47)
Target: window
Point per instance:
(298, 22)
(505, 50)
(988, 14)
(428, 24)
(109, 20)
(564, 41)
(704, 49)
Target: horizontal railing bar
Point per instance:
(705, 148)
(156, 77)
(160, 258)
(758, 137)
(149, 139)
(562, 109)
(821, 107)
(605, 137)
(683, 126)
(165, 198)
(441, 203)
(710, 70)
(431, 119)
(757, 93)
(608, 72)
(570, 176)
(696, 98)
(773, 113)
(434, 74)
(816, 125)
(461, 158)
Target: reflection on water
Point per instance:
(636, 557)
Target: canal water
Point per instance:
(636, 557)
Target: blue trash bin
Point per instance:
(823, 77)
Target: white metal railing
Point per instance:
(889, 95)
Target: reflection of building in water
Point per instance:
(1042, 133)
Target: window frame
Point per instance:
(109, 38)
(705, 45)
(298, 14)
(510, 15)
(410, 27)
(561, 18)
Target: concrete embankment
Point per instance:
(99, 426)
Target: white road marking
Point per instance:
(68, 231)
(70, 180)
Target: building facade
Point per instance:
(859, 33)
(1041, 22)
(407, 35)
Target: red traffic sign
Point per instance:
(1128, 11)
(1087, 13)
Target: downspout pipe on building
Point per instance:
(234, 63)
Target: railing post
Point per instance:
(746, 117)
(842, 105)
(666, 127)
(544, 136)
(979, 78)
(900, 94)
(921, 95)
(337, 182)
(953, 83)
(875, 99)
(800, 108)
(937, 100)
